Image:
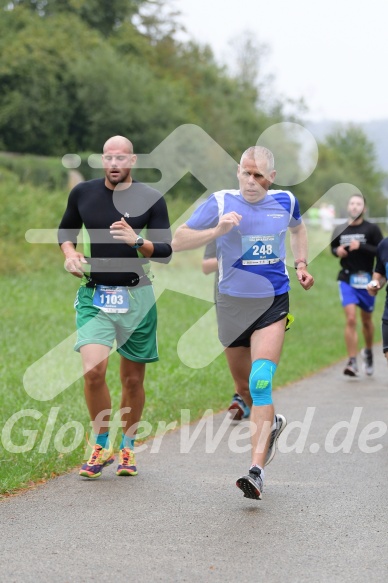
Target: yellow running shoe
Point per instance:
(100, 458)
(127, 465)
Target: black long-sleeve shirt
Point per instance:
(95, 207)
(361, 259)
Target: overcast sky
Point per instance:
(334, 53)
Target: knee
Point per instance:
(132, 382)
(95, 377)
(260, 381)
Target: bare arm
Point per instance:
(299, 248)
(209, 265)
(186, 238)
(298, 240)
(73, 259)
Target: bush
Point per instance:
(39, 171)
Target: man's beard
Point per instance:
(121, 177)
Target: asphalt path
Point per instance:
(323, 516)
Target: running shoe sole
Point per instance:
(351, 372)
(125, 472)
(249, 487)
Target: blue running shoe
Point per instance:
(238, 409)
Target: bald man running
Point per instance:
(125, 224)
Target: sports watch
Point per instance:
(138, 243)
(296, 263)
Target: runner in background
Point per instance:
(355, 243)
(379, 279)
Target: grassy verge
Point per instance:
(37, 314)
(40, 438)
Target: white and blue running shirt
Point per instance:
(251, 257)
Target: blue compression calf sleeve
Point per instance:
(260, 381)
(127, 442)
(102, 439)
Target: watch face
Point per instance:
(139, 241)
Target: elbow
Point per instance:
(162, 255)
(169, 254)
(167, 259)
(175, 245)
(178, 239)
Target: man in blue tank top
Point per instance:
(249, 226)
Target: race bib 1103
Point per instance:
(112, 299)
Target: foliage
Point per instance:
(125, 97)
(37, 107)
(47, 173)
(346, 156)
(75, 72)
(67, 85)
(98, 14)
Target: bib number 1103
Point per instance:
(111, 299)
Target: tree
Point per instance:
(118, 96)
(37, 105)
(346, 156)
(104, 16)
(68, 83)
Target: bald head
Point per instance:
(117, 160)
(118, 143)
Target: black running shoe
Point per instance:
(252, 484)
(351, 369)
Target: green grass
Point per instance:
(37, 315)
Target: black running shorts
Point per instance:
(238, 318)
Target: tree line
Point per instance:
(75, 72)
